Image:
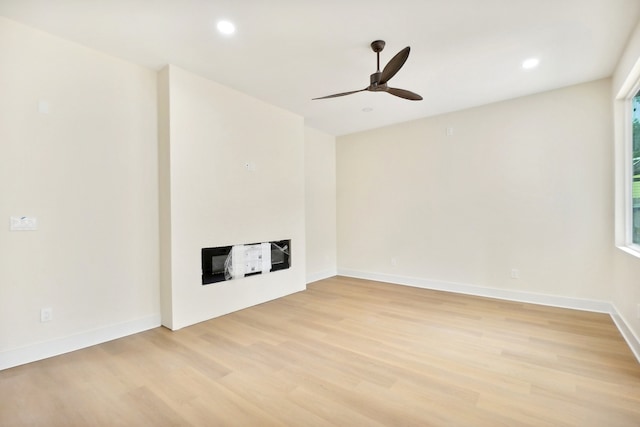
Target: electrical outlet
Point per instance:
(394, 261)
(638, 311)
(515, 273)
(46, 314)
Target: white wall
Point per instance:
(524, 184)
(626, 267)
(320, 203)
(87, 170)
(215, 201)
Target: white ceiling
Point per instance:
(464, 53)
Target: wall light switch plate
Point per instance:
(23, 223)
(43, 106)
(46, 314)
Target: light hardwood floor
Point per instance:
(346, 352)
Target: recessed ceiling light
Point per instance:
(530, 63)
(226, 27)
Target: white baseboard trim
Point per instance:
(510, 295)
(505, 294)
(46, 349)
(627, 333)
(325, 274)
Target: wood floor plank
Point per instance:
(345, 352)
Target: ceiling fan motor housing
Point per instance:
(375, 78)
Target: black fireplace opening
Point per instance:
(218, 264)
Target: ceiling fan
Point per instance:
(378, 80)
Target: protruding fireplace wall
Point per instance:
(231, 171)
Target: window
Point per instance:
(627, 163)
(634, 158)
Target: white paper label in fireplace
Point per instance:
(250, 259)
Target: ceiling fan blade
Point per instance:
(404, 94)
(340, 94)
(394, 65)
